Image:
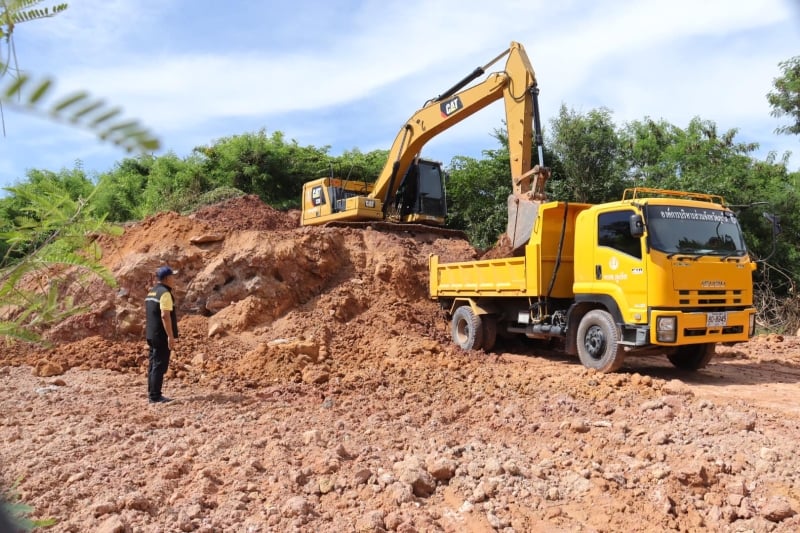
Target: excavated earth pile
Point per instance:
(316, 389)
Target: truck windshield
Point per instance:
(694, 230)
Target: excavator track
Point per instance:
(398, 227)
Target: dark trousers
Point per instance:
(157, 367)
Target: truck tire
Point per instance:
(489, 332)
(467, 329)
(598, 342)
(693, 356)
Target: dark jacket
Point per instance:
(155, 327)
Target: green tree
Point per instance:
(120, 192)
(477, 194)
(47, 227)
(266, 165)
(357, 165)
(587, 148)
(698, 159)
(251, 163)
(478, 190)
(18, 205)
(785, 97)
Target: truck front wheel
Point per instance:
(598, 342)
(467, 329)
(693, 356)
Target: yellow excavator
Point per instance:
(410, 190)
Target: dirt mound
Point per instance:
(247, 213)
(318, 390)
(236, 281)
(502, 248)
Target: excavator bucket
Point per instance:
(522, 214)
(527, 194)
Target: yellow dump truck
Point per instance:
(658, 271)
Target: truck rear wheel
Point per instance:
(467, 329)
(693, 356)
(598, 342)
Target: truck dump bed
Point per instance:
(549, 250)
(489, 277)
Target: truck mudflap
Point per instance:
(698, 327)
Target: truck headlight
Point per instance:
(752, 324)
(665, 328)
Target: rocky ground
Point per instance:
(316, 390)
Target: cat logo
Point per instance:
(316, 196)
(451, 106)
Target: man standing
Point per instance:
(162, 332)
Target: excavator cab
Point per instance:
(420, 199)
(421, 196)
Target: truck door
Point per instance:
(619, 269)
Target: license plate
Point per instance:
(715, 320)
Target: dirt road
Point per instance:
(316, 389)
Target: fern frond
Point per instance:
(54, 256)
(106, 116)
(69, 101)
(81, 110)
(15, 87)
(12, 330)
(94, 106)
(29, 14)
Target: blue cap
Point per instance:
(163, 272)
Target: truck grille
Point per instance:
(710, 297)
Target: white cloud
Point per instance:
(350, 75)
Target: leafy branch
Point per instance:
(18, 11)
(53, 237)
(80, 109)
(28, 94)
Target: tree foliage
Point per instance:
(477, 193)
(13, 509)
(697, 158)
(785, 96)
(587, 147)
(265, 164)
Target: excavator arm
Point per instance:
(517, 86)
(333, 200)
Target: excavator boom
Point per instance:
(516, 85)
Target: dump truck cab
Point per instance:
(673, 271)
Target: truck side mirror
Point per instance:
(636, 223)
(775, 220)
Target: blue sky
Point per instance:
(349, 74)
